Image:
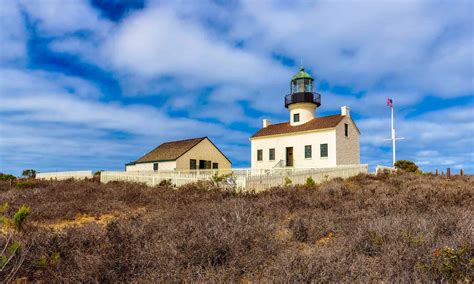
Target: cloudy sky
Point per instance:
(96, 84)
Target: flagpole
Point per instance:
(393, 140)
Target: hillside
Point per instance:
(367, 228)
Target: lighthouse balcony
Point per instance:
(304, 97)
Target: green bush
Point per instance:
(25, 184)
(452, 264)
(406, 165)
(6, 177)
(29, 173)
(288, 181)
(20, 216)
(310, 181)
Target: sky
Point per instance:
(92, 85)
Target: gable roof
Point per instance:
(330, 121)
(170, 151)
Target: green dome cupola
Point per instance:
(302, 82)
(302, 75)
(302, 89)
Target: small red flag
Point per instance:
(389, 102)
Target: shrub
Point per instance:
(452, 264)
(310, 181)
(406, 165)
(20, 216)
(288, 181)
(6, 177)
(299, 230)
(166, 183)
(25, 184)
(225, 182)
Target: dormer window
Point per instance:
(296, 117)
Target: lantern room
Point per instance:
(302, 82)
(302, 90)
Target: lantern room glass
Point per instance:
(302, 86)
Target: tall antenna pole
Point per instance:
(393, 141)
(394, 137)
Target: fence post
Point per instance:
(436, 172)
(448, 172)
(461, 172)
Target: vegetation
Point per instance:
(388, 228)
(6, 177)
(407, 166)
(29, 173)
(310, 181)
(14, 252)
(25, 184)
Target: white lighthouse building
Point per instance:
(306, 140)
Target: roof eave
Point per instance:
(295, 132)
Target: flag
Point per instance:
(389, 102)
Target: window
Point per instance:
(296, 117)
(346, 129)
(271, 154)
(192, 164)
(202, 164)
(215, 165)
(155, 167)
(208, 165)
(294, 87)
(308, 85)
(307, 152)
(259, 155)
(324, 150)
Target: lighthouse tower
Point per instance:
(302, 102)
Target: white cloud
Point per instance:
(56, 17)
(402, 45)
(157, 43)
(12, 33)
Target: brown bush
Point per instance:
(391, 228)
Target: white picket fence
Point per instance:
(241, 178)
(65, 175)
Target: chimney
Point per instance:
(266, 122)
(345, 111)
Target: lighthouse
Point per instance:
(306, 140)
(302, 102)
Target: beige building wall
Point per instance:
(298, 142)
(347, 148)
(306, 110)
(205, 150)
(148, 167)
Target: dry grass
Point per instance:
(400, 228)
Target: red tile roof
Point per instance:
(330, 121)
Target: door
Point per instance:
(289, 156)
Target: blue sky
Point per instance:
(96, 84)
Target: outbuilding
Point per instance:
(189, 154)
